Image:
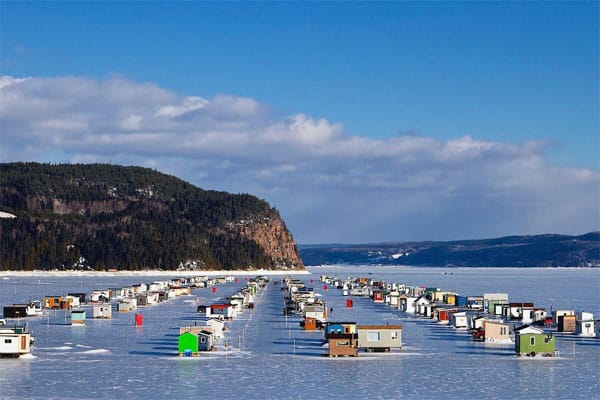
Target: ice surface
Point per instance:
(268, 356)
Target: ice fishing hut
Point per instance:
(204, 310)
(496, 331)
(343, 344)
(127, 305)
(79, 296)
(205, 338)
(459, 320)
(491, 300)
(205, 341)
(19, 311)
(187, 344)
(379, 337)
(52, 302)
(225, 310)
(14, 342)
(102, 311)
(214, 325)
(333, 328)
(532, 341)
(567, 323)
(585, 324)
(310, 324)
(78, 317)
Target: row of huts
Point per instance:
(343, 338)
(16, 340)
(125, 299)
(488, 317)
(193, 340)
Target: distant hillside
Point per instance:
(97, 216)
(511, 251)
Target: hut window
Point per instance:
(203, 340)
(7, 341)
(344, 343)
(373, 336)
(532, 341)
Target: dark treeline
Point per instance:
(121, 217)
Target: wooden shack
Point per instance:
(343, 344)
(567, 323)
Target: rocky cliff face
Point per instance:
(271, 234)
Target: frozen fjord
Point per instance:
(269, 357)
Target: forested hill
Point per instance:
(98, 216)
(511, 251)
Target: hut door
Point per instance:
(23, 342)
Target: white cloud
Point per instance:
(187, 105)
(330, 186)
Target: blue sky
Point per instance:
(513, 85)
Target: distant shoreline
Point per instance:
(38, 273)
(448, 268)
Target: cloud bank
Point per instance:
(329, 185)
